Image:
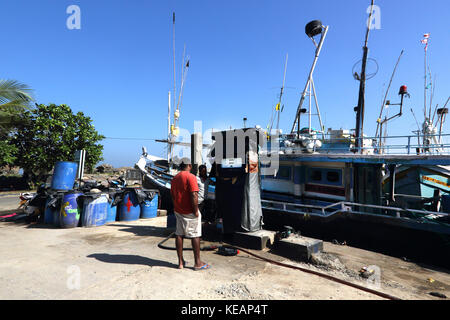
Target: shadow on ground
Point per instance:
(143, 231)
(209, 231)
(131, 259)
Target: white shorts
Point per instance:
(188, 225)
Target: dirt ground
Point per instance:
(122, 261)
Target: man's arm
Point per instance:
(194, 200)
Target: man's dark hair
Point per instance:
(183, 166)
(201, 167)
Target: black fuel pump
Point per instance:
(238, 195)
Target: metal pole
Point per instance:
(425, 87)
(318, 110)
(180, 99)
(360, 110)
(168, 131)
(310, 94)
(319, 48)
(281, 93)
(432, 94)
(387, 92)
(440, 127)
(409, 144)
(381, 137)
(174, 71)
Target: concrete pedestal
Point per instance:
(257, 240)
(298, 248)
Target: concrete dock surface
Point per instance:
(122, 260)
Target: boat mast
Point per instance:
(170, 135)
(362, 87)
(425, 84)
(174, 72)
(173, 128)
(169, 146)
(427, 127)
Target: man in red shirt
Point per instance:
(184, 191)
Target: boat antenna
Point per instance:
(362, 84)
(387, 92)
(174, 71)
(425, 40)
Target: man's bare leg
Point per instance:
(179, 246)
(196, 247)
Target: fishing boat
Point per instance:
(323, 176)
(344, 173)
(159, 174)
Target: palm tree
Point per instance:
(15, 98)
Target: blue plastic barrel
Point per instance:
(69, 215)
(112, 214)
(112, 210)
(49, 213)
(64, 175)
(129, 208)
(95, 210)
(149, 209)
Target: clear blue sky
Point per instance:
(118, 68)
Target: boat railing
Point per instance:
(419, 144)
(354, 208)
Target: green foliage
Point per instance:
(53, 133)
(7, 151)
(15, 98)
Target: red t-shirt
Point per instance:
(183, 184)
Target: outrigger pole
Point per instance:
(385, 97)
(359, 133)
